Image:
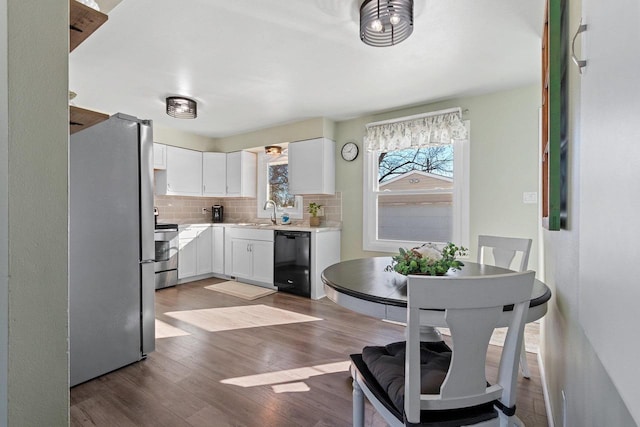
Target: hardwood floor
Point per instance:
(282, 375)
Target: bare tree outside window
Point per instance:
(437, 160)
(278, 191)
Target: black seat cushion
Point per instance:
(386, 364)
(382, 369)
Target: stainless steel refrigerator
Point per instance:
(111, 247)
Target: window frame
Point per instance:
(460, 219)
(294, 213)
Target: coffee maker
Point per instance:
(217, 212)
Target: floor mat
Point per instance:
(241, 290)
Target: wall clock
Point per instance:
(349, 151)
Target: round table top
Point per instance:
(366, 279)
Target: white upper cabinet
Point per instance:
(312, 168)
(159, 156)
(214, 174)
(241, 174)
(183, 176)
(194, 173)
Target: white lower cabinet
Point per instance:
(204, 245)
(195, 251)
(241, 258)
(252, 259)
(262, 262)
(325, 251)
(187, 254)
(218, 250)
(249, 254)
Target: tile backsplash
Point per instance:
(188, 210)
(183, 209)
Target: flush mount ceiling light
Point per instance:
(182, 108)
(385, 22)
(273, 150)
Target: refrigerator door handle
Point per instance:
(147, 261)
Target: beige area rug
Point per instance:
(230, 318)
(241, 290)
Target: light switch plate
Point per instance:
(530, 197)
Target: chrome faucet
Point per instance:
(272, 203)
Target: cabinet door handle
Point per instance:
(581, 63)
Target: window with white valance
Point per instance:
(440, 127)
(416, 181)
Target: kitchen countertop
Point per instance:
(268, 226)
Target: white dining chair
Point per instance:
(511, 253)
(429, 383)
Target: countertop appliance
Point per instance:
(111, 247)
(166, 256)
(292, 262)
(217, 213)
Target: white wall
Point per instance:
(178, 138)
(611, 144)
(4, 220)
(38, 124)
(504, 164)
(589, 347)
(297, 131)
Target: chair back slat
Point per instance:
(470, 332)
(504, 251)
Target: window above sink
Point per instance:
(273, 184)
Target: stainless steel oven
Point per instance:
(166, 259)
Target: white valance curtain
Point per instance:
(439, 127)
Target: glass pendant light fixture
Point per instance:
(182, 108)
(385, 22)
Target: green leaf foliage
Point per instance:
(412, 261)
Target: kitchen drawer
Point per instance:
(250, 233)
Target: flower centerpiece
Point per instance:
(427, 259)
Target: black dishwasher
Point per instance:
(292, 262)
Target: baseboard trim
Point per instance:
(545, 392)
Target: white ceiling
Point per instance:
(252, 64)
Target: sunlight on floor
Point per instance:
(165, 330)
(288, 375)
(291, 388)
(230, 318)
